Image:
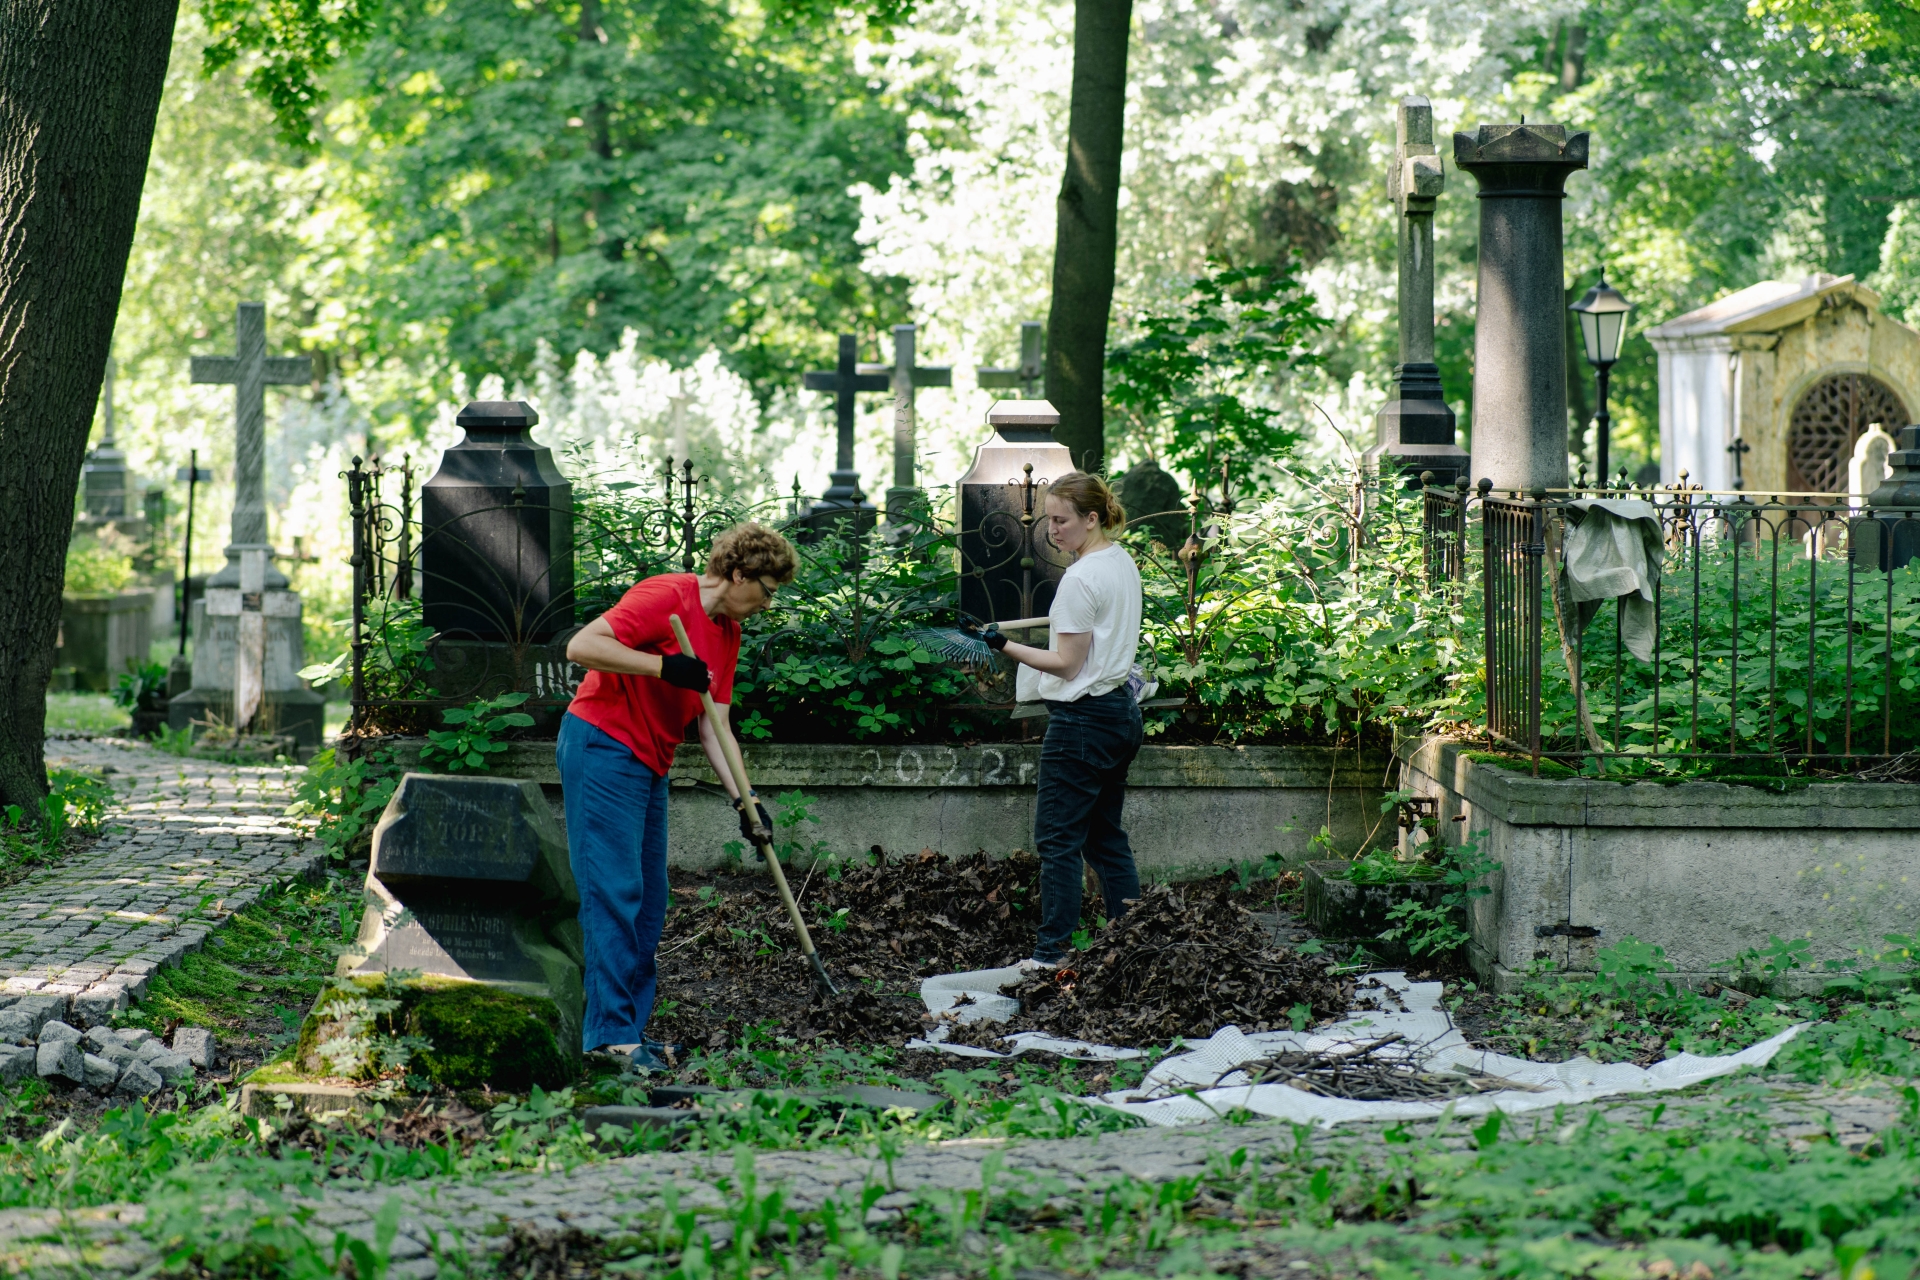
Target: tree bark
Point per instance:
(1085, 233)
(80, 85)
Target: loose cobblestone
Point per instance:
(187, 843)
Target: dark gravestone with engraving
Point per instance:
(470, 881)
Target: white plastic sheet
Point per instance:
(1203, 1083)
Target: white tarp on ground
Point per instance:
(1203, 1083)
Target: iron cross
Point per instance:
(844, 382)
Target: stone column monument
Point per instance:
(1519, 336)
(233, 593)
(1414, 431)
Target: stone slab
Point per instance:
(1187, 807)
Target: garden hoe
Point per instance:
(762, 838)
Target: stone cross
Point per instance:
(249, 371)
(1415, 429)
(844, 382)
(904, 376)
(250, 604)
(1028, 377)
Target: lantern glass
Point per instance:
(1603, 322)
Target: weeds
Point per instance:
(469, 742)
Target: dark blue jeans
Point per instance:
(1076, 816)
(617, 843)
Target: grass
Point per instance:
(85, 713)
(260, 971)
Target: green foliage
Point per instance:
(99, 563)
(835, 657)
(1192, 384)
(1812, 669)
(538, 174)
(288, 45)
(1308, 616)
(143, 683)
(469, 743)
(1442, 928)
(346, 798)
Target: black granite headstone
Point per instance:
(470, 880)
(496, 551)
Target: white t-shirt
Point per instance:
(1099, 593)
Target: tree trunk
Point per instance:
(1085, 236)
(80, 85)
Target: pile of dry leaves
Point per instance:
(1185, 961)
(728, 962)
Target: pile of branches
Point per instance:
(929, 913)
(1362, 1073)
(1184, 961)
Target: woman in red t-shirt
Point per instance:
(616, 747)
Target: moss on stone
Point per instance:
(481, 1035)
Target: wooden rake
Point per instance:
(762, 838)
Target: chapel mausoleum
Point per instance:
(1802, 371)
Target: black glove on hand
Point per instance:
(748, 816)
(996, 640)
(684, 672)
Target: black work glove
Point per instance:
(749, 815)
(994, 638)
(685, 672)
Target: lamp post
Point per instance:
(1603, 324)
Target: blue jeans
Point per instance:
(617, 842)
(1083, 785)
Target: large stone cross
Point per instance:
(1415, 429)
(844, 381)
(904, 376)
(1028, 377)
(249, 371)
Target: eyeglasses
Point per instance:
(765, 589)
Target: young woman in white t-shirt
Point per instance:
(1093, 726)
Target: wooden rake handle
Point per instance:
(761, 837)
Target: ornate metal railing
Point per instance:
(1782, 628)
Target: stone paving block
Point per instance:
(174, 1068)
(195, 1044)
(61, 1059)
(17, 1063)
(139, 1080)
(101, 1073)
(57, 1032)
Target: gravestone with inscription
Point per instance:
(470, 881)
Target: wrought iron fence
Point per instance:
(1776, 628)
(423, 641)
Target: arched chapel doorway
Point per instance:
(1830, 416)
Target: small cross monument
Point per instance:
(905, 376)
(845, 381)
(1415, 428)
(247, 638)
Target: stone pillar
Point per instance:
(1414, 430)
(1519, 337)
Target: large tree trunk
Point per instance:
(1085, 236)
(80, 85)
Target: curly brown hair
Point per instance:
(753, 549)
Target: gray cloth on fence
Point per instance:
(1613, 552)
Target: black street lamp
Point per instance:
(1603, 325)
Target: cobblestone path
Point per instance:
(475, 1218)
(187, 843)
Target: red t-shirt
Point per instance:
(646, 713)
